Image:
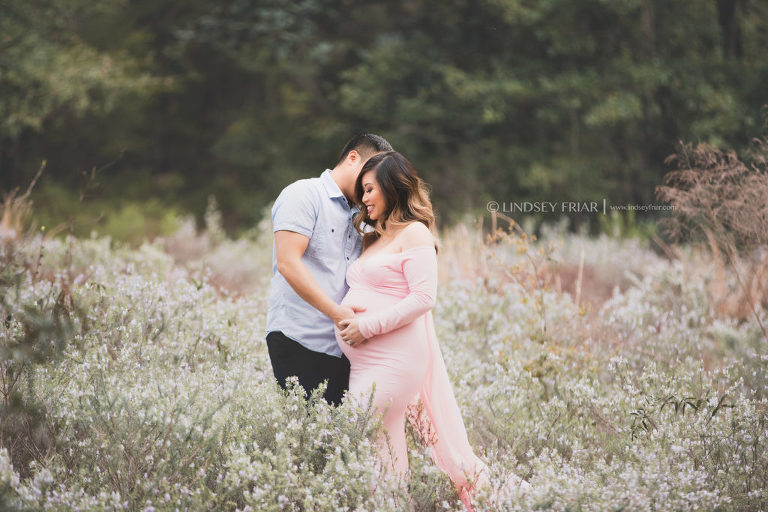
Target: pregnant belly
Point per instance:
(403, 349)
(369, 299)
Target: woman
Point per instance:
(395, 279)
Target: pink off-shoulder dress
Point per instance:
(402, 358)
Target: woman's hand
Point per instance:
(350, 333)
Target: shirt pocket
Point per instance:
(321, 241)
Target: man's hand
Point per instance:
(345, 312)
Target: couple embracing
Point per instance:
(354, 282)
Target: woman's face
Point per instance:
(373, 199)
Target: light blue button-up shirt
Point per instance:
(317, 209)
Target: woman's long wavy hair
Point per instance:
(406, 196)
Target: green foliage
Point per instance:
(130, 222)
(626, 224)
(47, 67)
(496, 99)
(134, 222)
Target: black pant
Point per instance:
(291, 358)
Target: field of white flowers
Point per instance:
(599, 370)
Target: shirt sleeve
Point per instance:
(296, 209)
(420, 271)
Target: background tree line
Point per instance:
(506, 100)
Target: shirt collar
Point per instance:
(330, 186)
(334, 191)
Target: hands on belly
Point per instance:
(350, 332)
(348, 326)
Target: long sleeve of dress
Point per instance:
(419, 266)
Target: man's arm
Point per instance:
(289, 248)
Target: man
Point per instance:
(315, 243)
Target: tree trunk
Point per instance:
(728, 17)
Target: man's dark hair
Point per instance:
(366, 144)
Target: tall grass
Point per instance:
(147, 386)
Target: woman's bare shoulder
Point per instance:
(416, 234)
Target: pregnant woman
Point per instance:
(392, 345)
